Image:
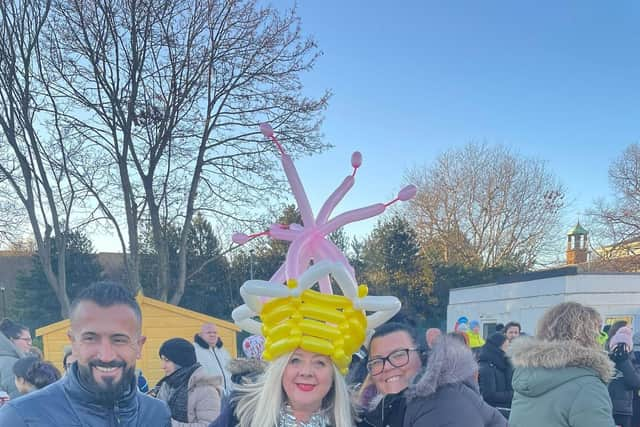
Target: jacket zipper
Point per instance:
(116, 414)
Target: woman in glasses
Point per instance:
(394, 360)
(15, 342)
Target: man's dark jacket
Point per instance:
(67, 403)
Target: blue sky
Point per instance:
(558, 81)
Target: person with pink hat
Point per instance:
(626, 379)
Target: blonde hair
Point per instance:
(570, 321)
(259, 403)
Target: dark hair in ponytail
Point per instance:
(36, 372)
(11, 329)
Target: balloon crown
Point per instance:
(299, 317)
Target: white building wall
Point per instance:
(525, 302)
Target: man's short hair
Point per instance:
(510, 325)
(107, 294)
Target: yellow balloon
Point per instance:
(317, 345)
(283, 346)
(329, 301)
(319, 329)
(318, 312)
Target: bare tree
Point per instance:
(166, 96)
(486, 206)
(32, 151)
(616, 222)
(13, 221)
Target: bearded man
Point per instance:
(100, 388)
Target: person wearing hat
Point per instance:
(475, 338)
(193, 395)
(496, 373)
(626, 379)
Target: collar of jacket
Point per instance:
(534, 353)
(126, 407)
(202, 343)
(388, 404)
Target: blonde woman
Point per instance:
(297, 389)
(560, 377)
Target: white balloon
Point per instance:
(376, 303)
(265, 289)
(345, 281)
(314, 273)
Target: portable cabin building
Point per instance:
(524, 298)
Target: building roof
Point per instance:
(577, 230)
(172, 310)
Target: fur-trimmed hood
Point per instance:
(543, 365)
(246, 370)
(533, 353)
(246, 366)
(450, 362)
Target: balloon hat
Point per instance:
(297, 316)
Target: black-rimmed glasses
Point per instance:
(397, 359)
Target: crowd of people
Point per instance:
(565, 375)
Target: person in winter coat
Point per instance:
(33, 374)
(193, 395)
(496, 373)
(394, 361)
(212, 355)
(475, 338)
(560, 377)
(626, 380)
(100, 388)
(15, 341)
(635, 420)
(613, 329)
(447, 393)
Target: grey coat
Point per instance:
(447, 394)
(9, 354)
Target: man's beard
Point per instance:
(110, 390)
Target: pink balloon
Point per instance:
(240, 238)
(298, 191)
(351, 216)
(408, 192)
(277, 232)
(356, 159)
(266, 130)
(296, 255)
(334, 199)
(325, 285)
(309, 241)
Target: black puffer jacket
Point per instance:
(495, 378)
(389, 412)
(623, 385)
